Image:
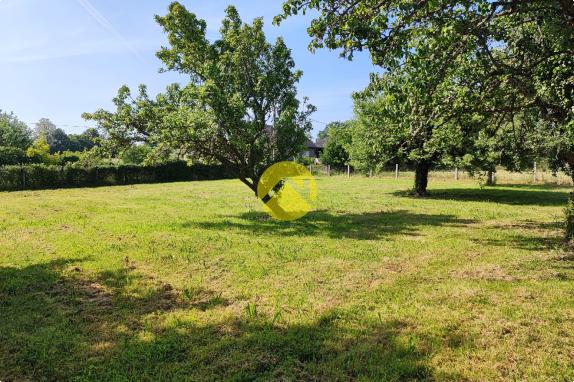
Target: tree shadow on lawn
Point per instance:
(518, 195)
(58, 326)
(528, 235)
(365, 226)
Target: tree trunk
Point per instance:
(490, 180)
(251, 184)
(421, 178)
(570, 219)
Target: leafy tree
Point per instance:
(324, 134)
(408, 108)
(39, 151)
(13, 132)
(338, 140)
(240, 107)
(502, 59)
(45, 127)
(60, 141)
(84, 141)
(57, 139)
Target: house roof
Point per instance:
(319, 144)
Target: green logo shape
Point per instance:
(287, 190)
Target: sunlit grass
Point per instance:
(192, 281)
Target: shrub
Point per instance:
(12, 156)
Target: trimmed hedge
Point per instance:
(39, 177)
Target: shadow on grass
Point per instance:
(510, 194)
(366, 226)
(60, 326)
(528, 235)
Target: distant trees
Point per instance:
(240, 107)
(46, 144)
(45, 127)
(59, 141)
(13, 132)
(337, 136)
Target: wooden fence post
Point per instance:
(329, 170)
(456, 173)
(348, 171)
(534, 172)
(23, 172)
(370, 173)
(397, 171)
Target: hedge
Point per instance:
(39, 177)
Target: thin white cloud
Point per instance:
(107, 25)
(98, 47)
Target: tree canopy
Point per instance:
(495, 65)
(13, 132)
(239, 108)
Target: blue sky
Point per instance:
(60, 58)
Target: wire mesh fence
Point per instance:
(501, 176)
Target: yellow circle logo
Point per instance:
(287, 190)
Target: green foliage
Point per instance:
(59, 141)
(67, 157)
(501, 61)
(401, 118)
(239, 109)
(40, 176)
(12, 156)
(338, 141)
(39, 151)
(305, 161)
(13, 132)
(136, 154)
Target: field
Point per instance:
(191, 281)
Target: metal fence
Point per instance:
(501, 176)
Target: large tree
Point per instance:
(239, 108)
(401, 118)
(13, 132)
(517, 56)
(503, 59)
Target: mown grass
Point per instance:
(191, 281)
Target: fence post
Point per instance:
(348, 171)
(397, 171)
(370, 173)
(534, 172)
(23, 172)
(328, 170)
(456, 173)
(311, 169)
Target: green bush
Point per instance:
(38, 176)
(12, 156)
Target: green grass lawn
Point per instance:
(191, 281)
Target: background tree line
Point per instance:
(45, 143)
